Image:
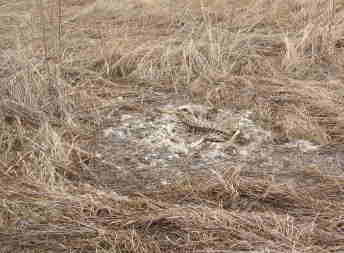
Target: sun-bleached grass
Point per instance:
(64, 62)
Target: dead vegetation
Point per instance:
(69, 69)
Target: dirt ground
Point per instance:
(90, 162)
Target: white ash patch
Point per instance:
(302, 145)
(251, 132)
(152, 148)
(169, 140)
(169, 133)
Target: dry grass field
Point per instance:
(86, 164)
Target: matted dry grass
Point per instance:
(63, 65)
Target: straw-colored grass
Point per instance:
(63, 66)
